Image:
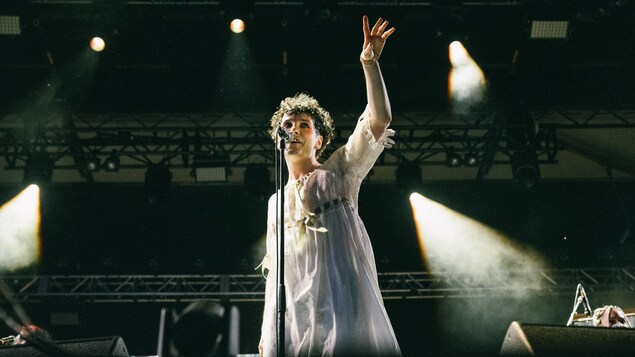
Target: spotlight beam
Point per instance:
(450, 241)
(454, 244)
(467, 86)
(19, 236)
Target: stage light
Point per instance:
(93, 164)
(237, 26)
(38, 170)
(211, 167)
(111, 164)
(408, 176)
(458, 54)
(466, 83)
(157, 183)
(452, 159)
(470, 159)
(257, 181)
(206, 328)
(549, 30)
(238, 11)
(97, 44)
(20, 233)
(10, 25)
(527, 175)
(238, 77)
(525, 167)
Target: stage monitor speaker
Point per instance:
(545, 340)
(94, 347)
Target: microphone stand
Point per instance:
(576, 302)
(281, 297)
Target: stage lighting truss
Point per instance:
(250, 287)
(174, 139)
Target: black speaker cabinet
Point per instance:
(94, 347)
(544, 340)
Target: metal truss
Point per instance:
(298, 3)
(174, 139)
(399, 285)
(281, 2)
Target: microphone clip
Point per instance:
(284, 134)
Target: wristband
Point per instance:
(369, 62)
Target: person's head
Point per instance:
(610, 316)
(304, 103)
(30, 333)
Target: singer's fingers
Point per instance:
(373, 31)
(383, 27)
(365, 26)
(388, 33)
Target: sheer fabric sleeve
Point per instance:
(268, 266)
(352, 162)
(362, 149)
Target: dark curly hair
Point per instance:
(304, 103)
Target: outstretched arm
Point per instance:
(378, 102)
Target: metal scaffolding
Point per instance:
(250, 288)
(174, 139)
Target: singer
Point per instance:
(333, 303)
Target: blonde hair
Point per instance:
(304, 103)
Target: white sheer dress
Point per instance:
(334, 305)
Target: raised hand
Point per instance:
(374, 39)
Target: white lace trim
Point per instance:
(303, 178)
(385, 140)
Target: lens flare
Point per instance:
(19, 236)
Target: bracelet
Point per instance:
(369, 62)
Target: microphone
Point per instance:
(284, 134)
(585, 302)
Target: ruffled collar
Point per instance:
(304, 178)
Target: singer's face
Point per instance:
(306, 139)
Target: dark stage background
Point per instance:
(112, 229)
(171, 57)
